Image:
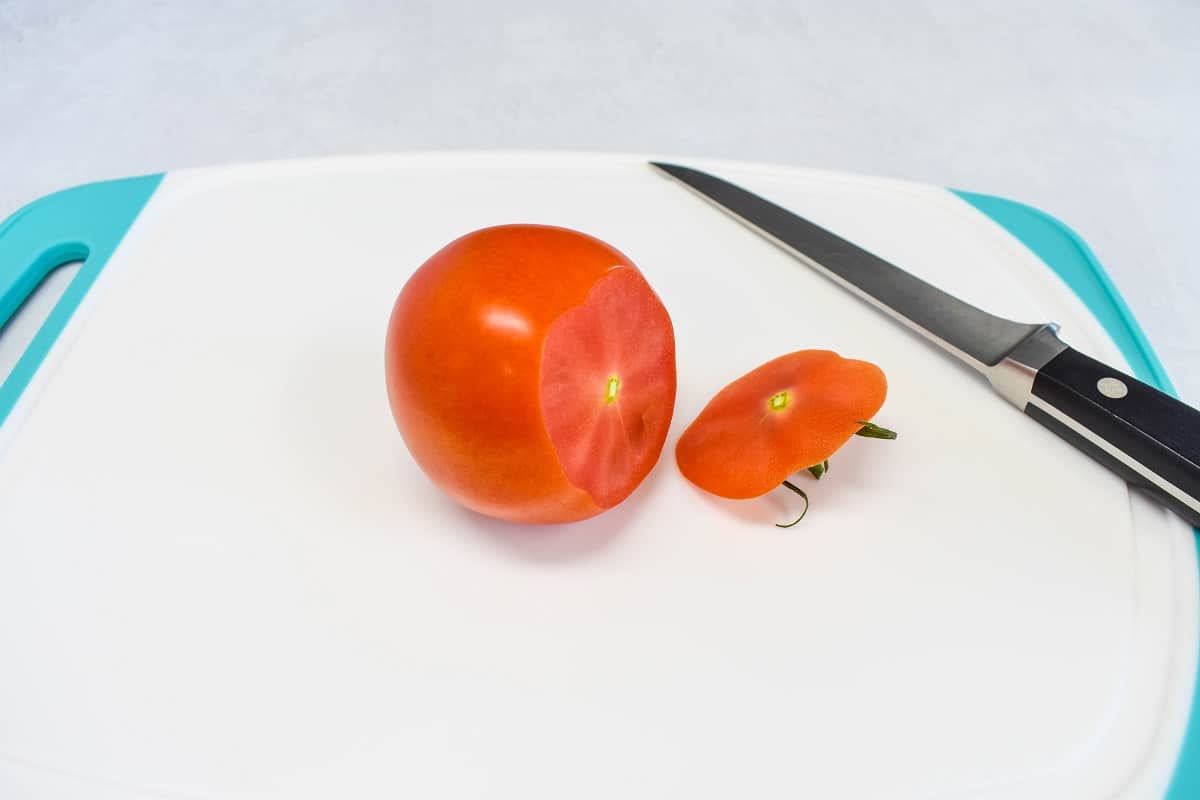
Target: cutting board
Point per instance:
(222, 575)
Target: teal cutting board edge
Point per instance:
(1070, 257)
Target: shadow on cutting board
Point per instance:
(558, 544)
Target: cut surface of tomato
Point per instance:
(608, 386)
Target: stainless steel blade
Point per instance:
(977, 337)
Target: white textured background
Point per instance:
(1088, 110)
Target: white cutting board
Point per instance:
(221, 575)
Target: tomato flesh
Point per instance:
(608, 386)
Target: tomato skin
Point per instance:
(464, 353)
(741, 447)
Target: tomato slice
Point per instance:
(787, 415)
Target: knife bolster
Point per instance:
(1013, 377)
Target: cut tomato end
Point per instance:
(608, 386)
(783, 417)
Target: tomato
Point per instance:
(787, 415)
(531, 372)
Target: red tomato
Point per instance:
(531, 371)
(787, 415)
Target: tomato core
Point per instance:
(610, 391)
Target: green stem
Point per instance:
(800, 492)
(818, 470)
(873, 431)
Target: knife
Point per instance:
(1147, 437)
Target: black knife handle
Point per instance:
(1148, 437)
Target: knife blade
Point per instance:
(1147, 437)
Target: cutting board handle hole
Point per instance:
(58, 270)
